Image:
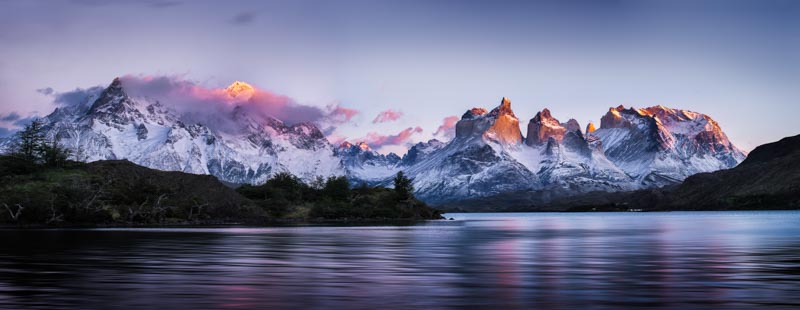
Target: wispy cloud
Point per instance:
(215, 106)
(73, 97)
(164, 3)
(342, 114)
(243, 18)
(47, 91)
(376, 140)
(150, 3)
(336, 139)
(11, 122)
(447, 129)
(9, 117)
(387, 116)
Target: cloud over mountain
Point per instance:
(447, 129)
(12, 121)
(387, 116)
(377, 140)
(72, 97)
(206, 105)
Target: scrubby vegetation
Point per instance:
(109, 192)
(120, 192)
(285, 196)
(39, 185)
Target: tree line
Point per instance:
(39, 184)
(31, 144)
(286, 196)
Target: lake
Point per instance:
(671, 260)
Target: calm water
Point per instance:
(672, 260)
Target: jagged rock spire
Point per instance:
(505, 129)
(542, 127)
(590, 128)
(572, 125)
(500, 125)
(112, 100)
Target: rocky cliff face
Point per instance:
(500, 125)
(542, 127)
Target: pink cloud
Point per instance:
(215, 106)
(344, 114)
(377, 140)
(336, 139)
(447, 129)
(387, 116)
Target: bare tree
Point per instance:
(14, 214)
(199, 208)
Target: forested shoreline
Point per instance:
(40, 185)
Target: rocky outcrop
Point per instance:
(572, 125)
(590, 128)
(499, 125)
(542, 127)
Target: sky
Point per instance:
(407, 69)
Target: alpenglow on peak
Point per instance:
(240, 90)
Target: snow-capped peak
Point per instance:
(499, 126)
(361, 146)
(633, 148)
(240, 90)
(113, 96)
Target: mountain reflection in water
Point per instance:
(671, 260)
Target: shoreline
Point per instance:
(318, 222)
(222, 224)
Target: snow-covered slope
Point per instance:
(658, 146)
(488, 157)
(114, 125)
(564, 158)
(365, 165)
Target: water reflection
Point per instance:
(653, 260)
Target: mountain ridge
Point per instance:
(489, 155)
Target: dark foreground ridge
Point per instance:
(769, 179)
(120, 193)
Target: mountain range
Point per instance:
(488, 157)
(768, 179)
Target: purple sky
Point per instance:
(738, 61)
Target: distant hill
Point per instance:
(768, 179)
